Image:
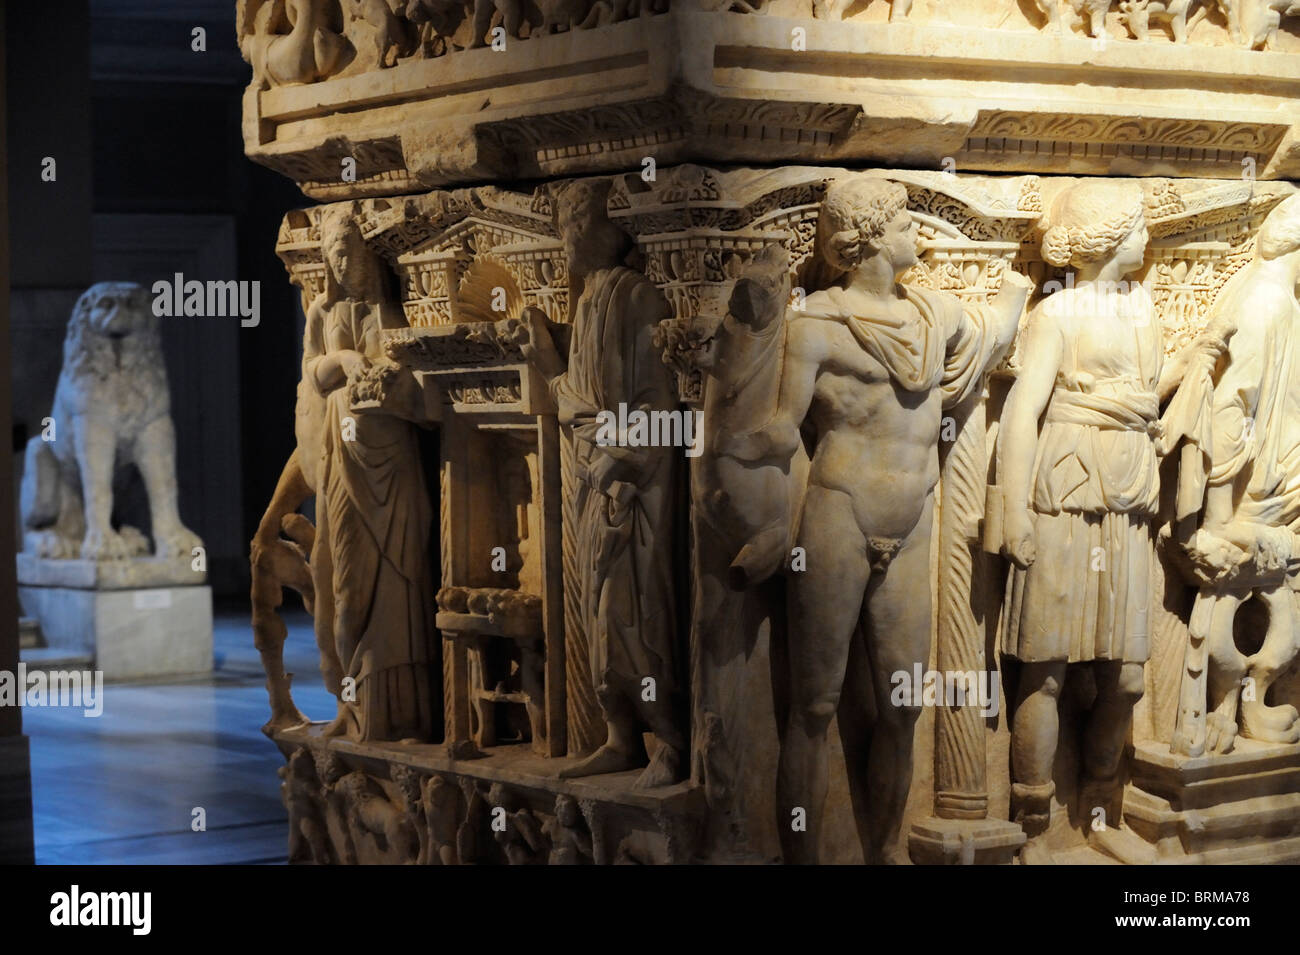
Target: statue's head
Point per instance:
(591, 240)
(346, 256)
(1280, 234)
(115, 310)
(861, 218)
(1097, 221)
(113, 318)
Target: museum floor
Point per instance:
(121, 789)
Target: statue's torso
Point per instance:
(1096, 452)
(875, 440)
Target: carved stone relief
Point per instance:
(899, 497)
(357, 98)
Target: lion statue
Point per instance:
(111, 409)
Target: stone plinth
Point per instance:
(1240, 808)
(130, 633)
(107, 574)
(938, 841)
(399, 803)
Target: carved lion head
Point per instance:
(112, 315)
(114, 309)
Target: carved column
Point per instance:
(969, 244)
(960, 773)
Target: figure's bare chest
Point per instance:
(847, 358)
(856, 385)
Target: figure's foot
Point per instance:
(284, 717)
(1122, 844)
(1272, 724)
(104, 545)
(177, 543)
(664, 769)
(1220, 733)
(607, 759)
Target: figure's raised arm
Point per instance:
(1008, 305)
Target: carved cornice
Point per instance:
(1066, 142)
(725, 87)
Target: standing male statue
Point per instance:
(870, 365)
(624, 526)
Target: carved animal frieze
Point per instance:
(290, 42)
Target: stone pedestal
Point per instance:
(106, 574)
(130, 634)
(937, 841)
(1241, 808)
(399, 803)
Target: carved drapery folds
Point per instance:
(735, 260)
(954, 439)
(1235, 527)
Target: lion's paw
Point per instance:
(108, 545)
(177, 545)
(52, 544)
(1220, 733)
(136, 543)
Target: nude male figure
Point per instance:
(870, 365)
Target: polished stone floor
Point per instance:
(122, 788)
